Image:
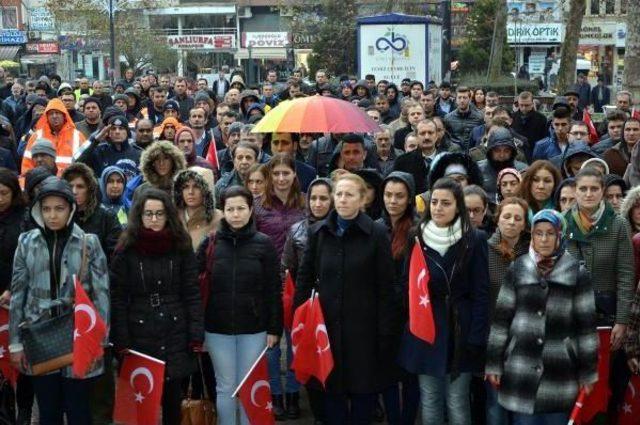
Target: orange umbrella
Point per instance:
(316, 114)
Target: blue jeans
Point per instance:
(496, 414)
(541, 419)
(57, 396)
(232, 356)
(273, 357)
(434, 391)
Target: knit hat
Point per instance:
(43, 146)
(92, 99)
(63, 87)
(455, 169)
(511, 171)
(171, 105)
(202, 96)
(235, 127)
(34, 177)
(120, 96)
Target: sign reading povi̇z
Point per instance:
(202, 42)
(258, 40)
(531, 33)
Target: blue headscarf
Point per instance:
(546, 264)
(106, 201)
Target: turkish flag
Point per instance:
(635, 113)
(5, 361)
(139, 390)
(421, 322)
(255, 394)
(598, 399)
(312, 356)
(630, 410)
(287, 300)
(593, 133)
(88, 334)
(212, 154)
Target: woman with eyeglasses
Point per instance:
(155, 297)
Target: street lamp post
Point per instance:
(112, 36)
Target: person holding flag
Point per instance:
(543, 344)
(348, 261)
(457, 295)
(243, 314)
(155, 297)
(42, 287)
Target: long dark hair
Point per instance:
(294, 198)
(10, 179)
(400, 232)
(527, 180)
(447, 183)
(181, 238)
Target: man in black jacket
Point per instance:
(529, 123)
(463, 119)
(186, 102)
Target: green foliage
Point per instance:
(474, 52)
(504, 86)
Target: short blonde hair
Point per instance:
(356, 179)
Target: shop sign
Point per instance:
(535, 33)
(621, 34)
(202, 42)
(537, 62)
(13, 37)
(43, 47)
(40, 19)
(599, 34)
(258, 40)
(303, 40)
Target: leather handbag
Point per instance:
(198, 411)
(48, 344)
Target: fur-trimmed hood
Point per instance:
(632, 197)
(197, 174)
(93, 190)
(443, 160)
(153, 152)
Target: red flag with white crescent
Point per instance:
(88, 334)
(630, 409)
(598, 400)
(593, 133)
(139, 390)
(421, 323)
(5, 361)
(255, 394)
(635, 114)
(300, 361)
(212, 154)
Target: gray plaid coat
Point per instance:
(543, 341)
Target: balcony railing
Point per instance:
(196, 31)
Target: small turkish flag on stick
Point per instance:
(139, 390)
(255, 393)
(88, 334)
(421, 322)
(287, 300)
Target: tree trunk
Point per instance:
(569, 52)
(632, 51)
(498, 41)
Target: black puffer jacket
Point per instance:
(166, 330)
(245, 287)
(459, 124)
(11, 225)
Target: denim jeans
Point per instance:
(273, 357)
(541, 419)
(232, 356)
(496, 414)
(435, 391)
(58, 396)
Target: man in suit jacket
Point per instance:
(600, 95)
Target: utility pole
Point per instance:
(112, 36)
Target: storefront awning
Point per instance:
(263, 53)
(8, 52)
(39, 59)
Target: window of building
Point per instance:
(610, 7)
(623, 7)
(595, 7)
(9, 17)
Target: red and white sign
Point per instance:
(43, 47)
(202, 41)
(261, 40)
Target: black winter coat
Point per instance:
(104, 224)
(11, 225)
(245, 289)
(353, 275)
(156, 307)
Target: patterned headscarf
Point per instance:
(546, 264)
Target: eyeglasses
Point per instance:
(149, 215)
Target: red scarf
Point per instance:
(151, 243)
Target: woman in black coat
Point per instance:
(155, 300)
(348, 261)
(243, 310)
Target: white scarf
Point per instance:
(441, 238)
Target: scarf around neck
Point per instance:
(441, 238)
(152, 243)
(584, 221)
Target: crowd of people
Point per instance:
(182, 222)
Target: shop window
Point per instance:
(623, 7)
(595, 7)
(9, 17)
(610, 7)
